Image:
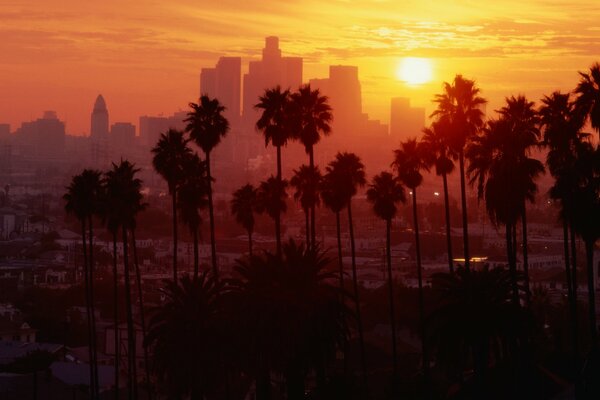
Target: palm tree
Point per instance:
(243, 205)
(524, 121)
(81, 200)
(385, 193)
(347, 172)
(168, 155)
(184, 333)
(274, 121)
(124, 189)
(435, 139)
(306, 181)
(311, 118)
(587, 103)
(409, 161)
(206, 126)
(293, 317)
(271, 198)
(460, 106)
(193, 197)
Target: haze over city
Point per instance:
(302, 200)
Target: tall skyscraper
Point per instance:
(225, 83)
(99, 125)
(405, 121)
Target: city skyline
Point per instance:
(149, 71)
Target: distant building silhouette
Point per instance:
(405, 121)
(152, 127)
(43, 138)
(4, 131)
(122, 140)
(225, 83)
(99, 123)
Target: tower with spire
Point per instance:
(99, 126)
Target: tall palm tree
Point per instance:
(587, 103)
(385, 192)
(168, 155)
(81, 200)
(206, 126)
(311, 117)
(184, 333)
(435, 140)
(243, 205)
(271, 198)
(524, 121)
(124, 189)
(347, 172)
(409, 161)
(193, 197)
(461, 107)
(274, 121)
(306, 181)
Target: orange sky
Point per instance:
(145, 56)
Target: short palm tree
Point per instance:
(384, 193)
(409, 160)
(206, 126)
(184, 333)
(271, 199)
(168, 155)
(243, 206)
(311, 117)
(435, 140)
(192, 198)
(347, 172)
(461, 106)
(306, 181)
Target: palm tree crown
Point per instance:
(170, 151)
(274, 121)
(243, 206)
(206, 123)
(409, 160)
(588, 96)
(306, 181)
(311, 115)
(384, 193)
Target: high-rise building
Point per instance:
(99, 125)
(122, 140)
(4, 131)
(43, 138)
(152, 127)
(405, 121)
(224, 82)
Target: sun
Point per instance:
(414, 70)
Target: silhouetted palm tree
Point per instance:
(587, 103)
(168, 155)
(206, 126)
(461, 107)
(347, 172)
(306, 181)
(81, 200)
(271, 199)
(409, 161)
(524, 121)
(192, 198)
(294, 319)
(243, 205)
(311, 118)
(385, 193)
(435, 139)
(125, 189)
(184, 333)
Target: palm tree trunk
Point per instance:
(250, 243)
(196, 256)
(463, 193)
(341, 270)
(421, 296)
(571, 299)
(138, 279)
(263, 386)
(388, 246)
(131, 357)
(589, 253)
(93, 307)
(511, 263)
(363, 361)
(295, 384)
(86, 283)
(448, 231)
(574, 262)
(211, 215)
(313, 237)
(307, 227)
(174, 197)
(525, 256)
(278, 216)
(116, 313)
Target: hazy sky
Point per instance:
(145, 56)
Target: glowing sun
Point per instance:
(414, 70)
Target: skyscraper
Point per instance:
(99, 126)
(405, 121)
(225, 83)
